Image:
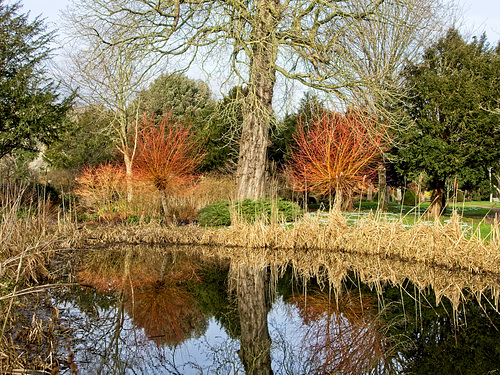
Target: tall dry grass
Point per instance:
(29, 235)
(444, 245)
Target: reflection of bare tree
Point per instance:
(343, 335)
(255, 350)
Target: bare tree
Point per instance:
(309, 41)
(108, 76)
(380, 50)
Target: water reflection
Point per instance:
(343, 335)
(157, 310)
(253, 306)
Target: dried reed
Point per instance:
(29, 234)
(444, 245)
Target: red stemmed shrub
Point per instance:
(100, 188)
(336, 153)
(167, 155)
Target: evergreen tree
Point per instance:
(85, 142)
(281, 135)
(454, 133)
(224, 131)
(30, 110)
(186, 99)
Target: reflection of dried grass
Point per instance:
(330, 269)
(125, 266)
(313, 306)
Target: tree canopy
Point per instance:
(454, 131)
(184, 98)
(31, 112)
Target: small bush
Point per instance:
(220, 213)
(215, 214)
(409, 198)
(460, 196)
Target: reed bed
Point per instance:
(29, 235)
(445, 245)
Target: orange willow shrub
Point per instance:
(102, 185)
(168, 154)
(103, 191)
(335, 153)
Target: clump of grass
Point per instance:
(214, 215)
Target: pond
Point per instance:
(170, 310)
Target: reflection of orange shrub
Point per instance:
(343, 334)
(335, 153)
(154, 289)
(167, 313)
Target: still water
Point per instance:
(166, 310)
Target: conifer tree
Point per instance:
(454, 132)
(31, 112)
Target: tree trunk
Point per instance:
(255, 350)
(382, 189)
(128, 176)
(257, 105)
(438, 200)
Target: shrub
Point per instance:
(215, 214)
(335, 153)
(167, 154)
(220, 213)
(460, 196)
(102, 191)
(409, 198)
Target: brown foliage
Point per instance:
(167, 154)
(336, 153)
